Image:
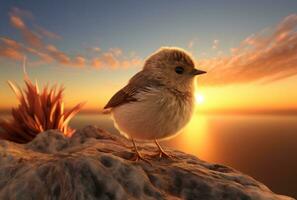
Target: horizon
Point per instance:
(280, 112)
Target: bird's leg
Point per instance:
(161, 153)
(137, 156)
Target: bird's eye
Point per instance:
(179, 70)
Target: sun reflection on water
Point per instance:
(193, 139)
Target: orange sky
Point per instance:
(252, 96)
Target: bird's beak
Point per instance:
(197, 72)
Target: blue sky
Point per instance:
(143, 26)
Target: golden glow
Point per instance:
(199, 98)
(248, 96)
(194, 138)
(236, 97)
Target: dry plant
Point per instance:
(37, 112)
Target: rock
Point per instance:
(94, 164)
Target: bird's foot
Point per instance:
(162, 154)
(138, 157)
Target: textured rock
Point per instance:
(94, 165)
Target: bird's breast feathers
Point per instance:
(156, 113)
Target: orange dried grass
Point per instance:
(37, 112)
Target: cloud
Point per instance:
(48, 33)
(114, 59)
(215, 44)
(11, 53)
(35, 45)
(10, 49)
(63, 58)
(109, 59)
(16, 19)
(134, 62)
(95, 49)
(97, 63)
(79, 61)
(116, 51)
(10, 43)
(58, 55)
(30, 37)
(17, 22)
(192, 43)
(22, 13)
(44, 57)
(266, 56)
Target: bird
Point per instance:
(158, 101)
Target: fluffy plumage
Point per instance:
(158, 101)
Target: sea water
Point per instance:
(262, 146)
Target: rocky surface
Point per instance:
(95, 165)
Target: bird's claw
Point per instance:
(138, 157)
(163, 154)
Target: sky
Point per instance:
(248, 48)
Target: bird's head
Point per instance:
(173, 67)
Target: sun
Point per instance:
(199, 98)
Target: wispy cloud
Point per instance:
(17, 22)
(31, 38)
(215, 44)
(79, 61)
(192, 43)
(10, 49)
(35, 45)
(114, 59)
(47, 33)
(22, 13)
(63, 58)
(11, 53)
(115, 51)
(95, 49)
(58, 55)
(44, 57)
(267, 56)
(10, 43)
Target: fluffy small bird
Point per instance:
(158, 101)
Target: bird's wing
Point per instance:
(125, 95)
(137, 83)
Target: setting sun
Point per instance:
(199, 98)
